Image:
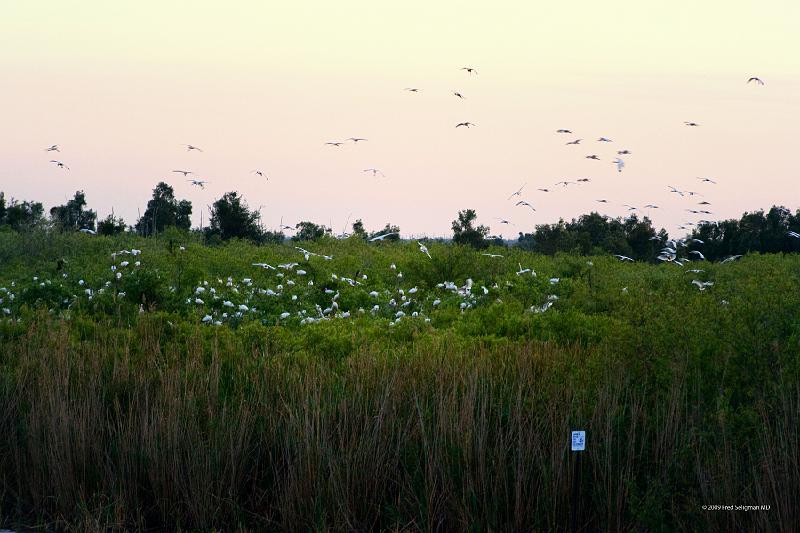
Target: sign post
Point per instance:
(578, 444)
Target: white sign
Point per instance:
(578, 441)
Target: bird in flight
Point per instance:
(59, 164)
(503, 221)
(198, 183)
(383, 236)
(692, 124)
(755, 79)
(53, 148)
(651, 206)
(411, 89)
(602, 201)
(523, 202)
(469, 70)
(259, 173)
(703, 203)
(576, 141)
(184, 172)
(424, 250)
(563, 131)
(374, 171)
(458, 94)
(518, 191)
(356, 139)
(492, 255)
(564, 183)
(190, 147)
(623, 258)
(583, 180)
(336, 144)
(794, 234)
(707, 180)
(673, 189)
(593, 157)
(543, 190)
(604, 140)
(623, 152)
(467, 124)
(620, 164)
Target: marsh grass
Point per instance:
(135, 427)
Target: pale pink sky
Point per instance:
(121, 86)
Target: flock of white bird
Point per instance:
(228, 300)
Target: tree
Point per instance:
(20, 215)
(464, 231)
(308, 231)
(358, 229)
(164, 210)
(72, 216)
(111, 225)
(231, 217)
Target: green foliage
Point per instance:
(164, 210)
(754, 232)
(111, 225)
(72, 216)
(465, 232)
(20, 215)
(308, 231)
(231, 218)
(593, 234)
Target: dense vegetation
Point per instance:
(776, 231)
(123, 406)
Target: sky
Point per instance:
(121, 87)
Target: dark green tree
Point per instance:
(308, 231)
(111, 225)
(72, 216)
(358, 229)
(20, 215)
(465, 232)
(232, 218)
(164, 210)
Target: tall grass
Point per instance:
(141, 426)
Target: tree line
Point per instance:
(592, 233)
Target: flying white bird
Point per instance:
(199, 183)
(523, 202)
(383, 236)
(190, 147)
(518, 191)
(374, 171)
(53, 148)
(59, 164)
(424, 250)
(620, 164)
(184, 172)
